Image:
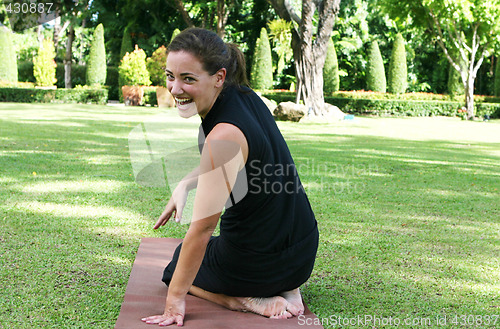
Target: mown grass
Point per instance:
(408, 211)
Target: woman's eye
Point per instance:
(170, 77)
(189, 79)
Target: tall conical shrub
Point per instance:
(44, 65)
(375, 72)
(331, 80)
(497, 78)
(96, 66)
(126, 46)
(398, 72)
(8, 61)
(261, 74)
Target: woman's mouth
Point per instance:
(183, 101)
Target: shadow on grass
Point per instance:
(408, 228)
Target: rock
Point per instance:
(271, 105)
(289, 111)
(333, 112)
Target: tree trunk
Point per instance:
(309, 48)
(68, 58)
(469, 98)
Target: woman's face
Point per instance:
(193, 88)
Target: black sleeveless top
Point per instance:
(273, 223)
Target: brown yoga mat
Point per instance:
(146, 293)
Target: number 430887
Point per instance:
(29, 8)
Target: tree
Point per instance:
(331, 78)
(455, 85)
(261, 75)
(8, 61)
(96, 66)
(44, 65)
(398, 73)
(281, 36)
(375, 72)
(497, 78)
(309, 44)
(470, 26)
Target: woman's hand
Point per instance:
(174, 313)
(175, 204)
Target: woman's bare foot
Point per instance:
(272, 307)
(294, 299)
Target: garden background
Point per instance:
(407, 207)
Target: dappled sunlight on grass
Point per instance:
(104, 215)
(407, 210)
(104, 186)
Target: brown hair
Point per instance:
(213, 53)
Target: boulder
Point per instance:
(333, 112)
(271, 105)
(289, 111)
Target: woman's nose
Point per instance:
(175, 87)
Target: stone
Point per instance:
(289, 111)
(271, 105)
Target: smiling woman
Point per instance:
(268, 239)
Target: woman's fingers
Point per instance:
(164, 217)
(164, 320)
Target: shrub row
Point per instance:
(395, 107)
(78, 73)
(35, 95)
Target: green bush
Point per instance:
(261, 74)
(44, 65)
(78, 73)
(150, 96)
(413, 104)
(331, 80)
(497, 78)
(174, 34)
(133, 70)
(375, 72)
(112, 83)
(156, 67)
(8, 60)
(25, 71)
(398, 73)
(96, 66)
(82, 95)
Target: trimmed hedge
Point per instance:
(396, 107)
(35, 95)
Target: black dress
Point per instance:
(268, 239)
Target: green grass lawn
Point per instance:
(408, 209)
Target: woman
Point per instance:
(268, 235)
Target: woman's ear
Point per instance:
(220, 77)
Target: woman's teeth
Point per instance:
(183, 101)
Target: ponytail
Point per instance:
(213, 53)
(236, 66)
